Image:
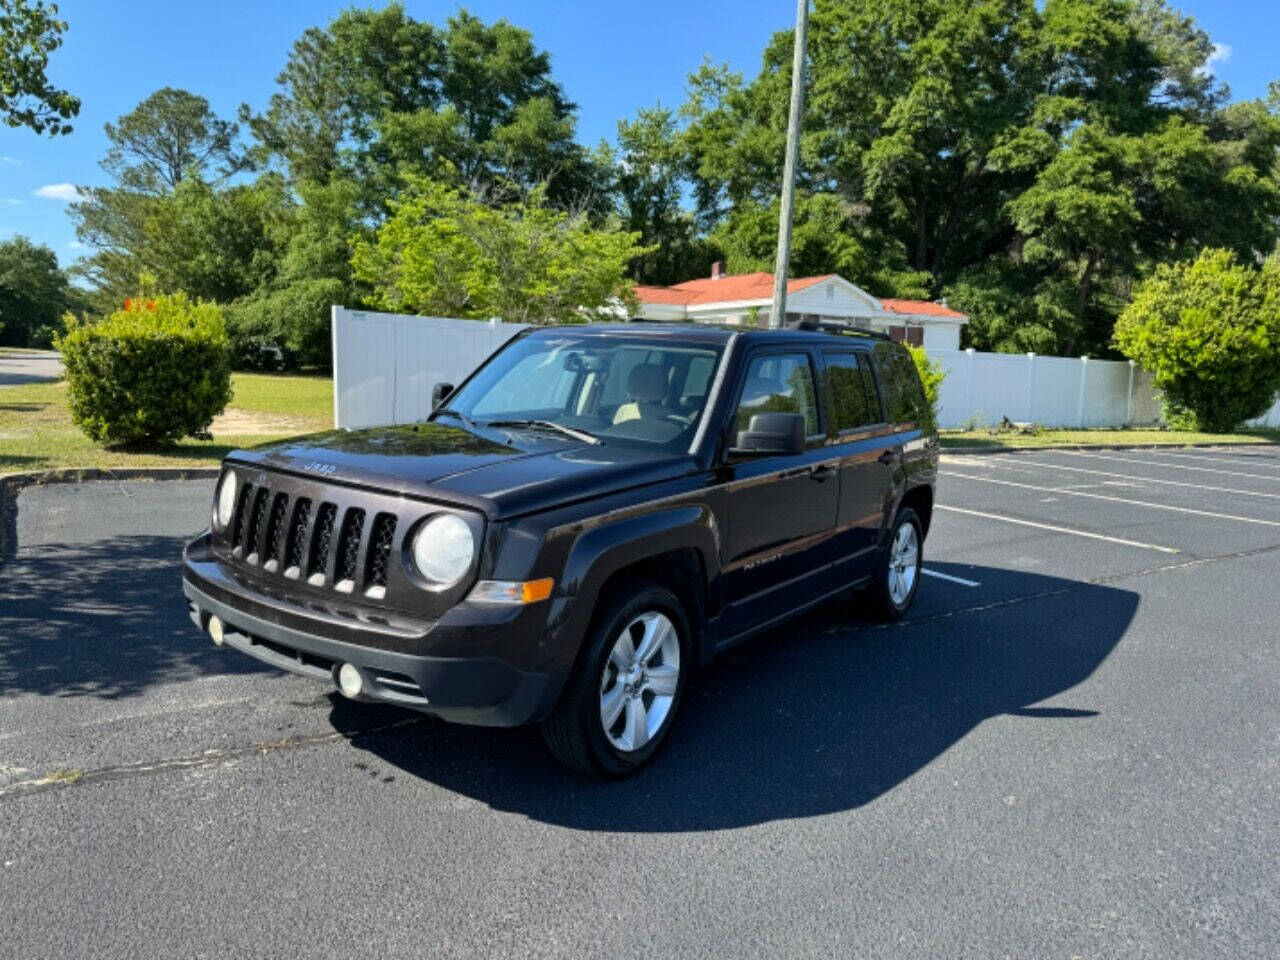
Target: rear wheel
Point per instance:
(897, 576)
(621, 701)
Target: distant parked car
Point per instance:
(595, 512)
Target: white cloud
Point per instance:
(59, 191)
(12, 201)
(77, 245)
(10, 161)
(1221, 53)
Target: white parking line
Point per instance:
(1126, 476)
(1100, 496)
(1257, 459)
(1172, 466)
(1056, 529)
(946, 576)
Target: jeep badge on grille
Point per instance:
(324, 469)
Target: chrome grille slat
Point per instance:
(253, 537)
(242, 504)
(319, 561)
(295, 549)
(384, 531)
(344, 576)
(275, 531)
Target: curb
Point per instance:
(11, 484)
(952, 451)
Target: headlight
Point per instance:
(226, 500)
(443, 549)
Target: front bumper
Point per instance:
(455, 668)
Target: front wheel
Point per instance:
(897, 575)
(621, 701)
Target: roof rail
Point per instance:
(835, 326)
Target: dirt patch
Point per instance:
(233, 422)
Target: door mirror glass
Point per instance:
(771, 434)
(439, 393)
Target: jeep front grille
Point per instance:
(318, 536)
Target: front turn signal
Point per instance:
(512, 591)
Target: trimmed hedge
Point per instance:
(1209, 331)
(152, 373)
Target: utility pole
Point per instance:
(778, 314)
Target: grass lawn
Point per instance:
(984, 438)
(36, 432)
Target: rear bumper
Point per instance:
(482, 689)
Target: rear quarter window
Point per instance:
(903, 393)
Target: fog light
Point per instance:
(215, 631)
(349, 681)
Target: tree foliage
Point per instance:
(1028, 161)
(168, 137)
(34, 293)
(450, 252)
(1209, 331)
(29, 31)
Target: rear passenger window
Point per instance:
(851, 391)
(903, 394)
(778, 383)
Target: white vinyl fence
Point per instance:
(385, 364)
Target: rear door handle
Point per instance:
(821, 472)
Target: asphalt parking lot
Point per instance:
(1069, 749)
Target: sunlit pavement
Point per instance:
(1067, 750)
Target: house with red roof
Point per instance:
(746, 299)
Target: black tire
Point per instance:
(881, 593)
(575, 731)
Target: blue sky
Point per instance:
(611, 57)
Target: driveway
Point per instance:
(17, 368)
(1068, 749)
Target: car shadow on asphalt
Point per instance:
(103, 619)
(823, 715)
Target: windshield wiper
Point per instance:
(547, 425)
(456, 413)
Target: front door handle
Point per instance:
(821, 472)
(888, 457)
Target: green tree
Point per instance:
(169, 136)
(445, 251)
(166, 215)
(1209, 331)
(29, 32)
(650, 165)
(1028, 161)
(377, 97)
(34, 294)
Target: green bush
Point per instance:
(152, 373)
(1209, 331)
(931, 375)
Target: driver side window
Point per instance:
(778, 383)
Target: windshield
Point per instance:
(626, 390)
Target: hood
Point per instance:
(444, 462)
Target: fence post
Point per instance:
(969, 401)
(335, 317)
(1084, 376)
(1031, 365)
(1128, 408)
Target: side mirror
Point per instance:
(771, 434)
(439, 393)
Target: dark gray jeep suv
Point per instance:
(592, 514)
